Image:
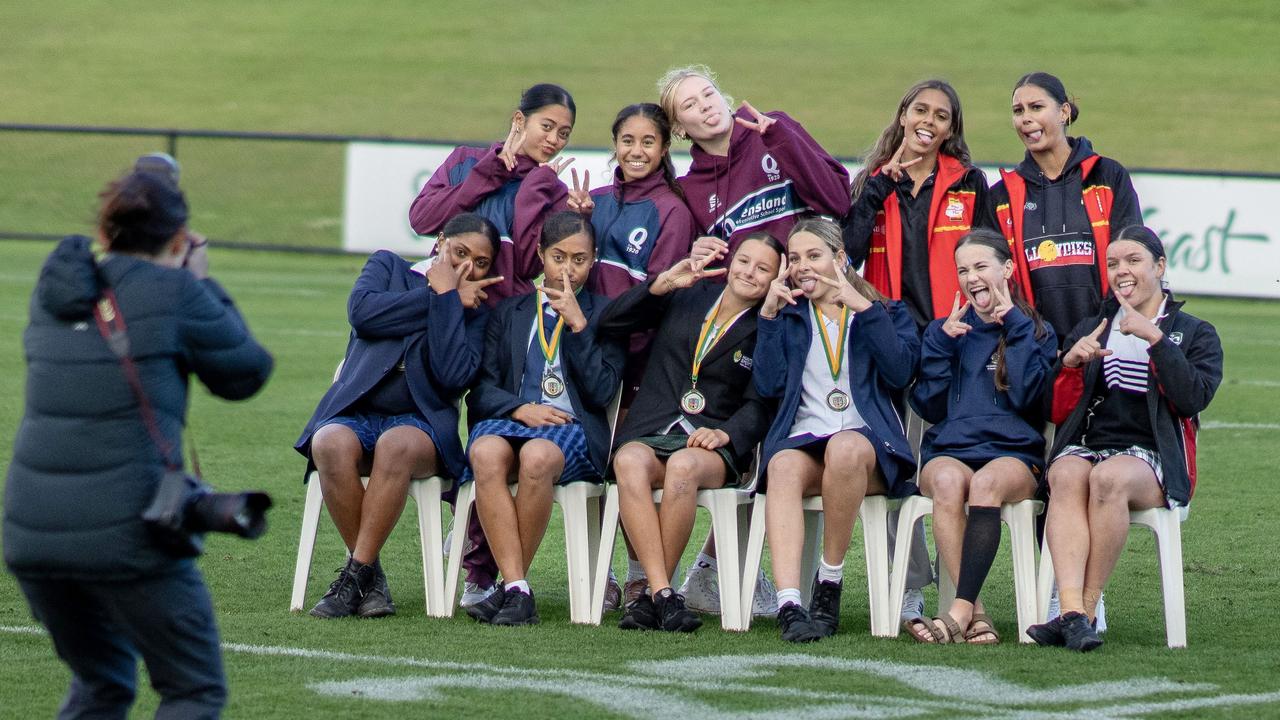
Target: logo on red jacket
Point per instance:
(770, 168)
(955, 208)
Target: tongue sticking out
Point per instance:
(808, 285)
(982, 297)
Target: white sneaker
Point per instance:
(765, 603)
(473, 594)
(1055, 609)
(912, 605)
(701, 589)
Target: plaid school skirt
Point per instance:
(570, 438)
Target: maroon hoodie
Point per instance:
(516, 202)
(765, 182)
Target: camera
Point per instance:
(184, 508)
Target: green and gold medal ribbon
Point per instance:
(707, 339)
(834, 355)
(549, 349)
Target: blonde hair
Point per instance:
(830, 234)
(671, 80)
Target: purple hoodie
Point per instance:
(642, 228)
(765, 181)
(516, 202)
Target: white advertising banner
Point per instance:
(1222, 233)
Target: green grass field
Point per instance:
(1179, 84)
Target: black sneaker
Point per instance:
(824, 608)
(377, 602)
(484, 610)
(796, 625)
(1048, 634)
(346, 593)
(640, 614)
(673, 614)
(1078, 633)
(518, 608)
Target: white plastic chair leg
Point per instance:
(306, 541)
(461, 518)
(912, 509)
(1021, 519)
(604, 555)
(573, 500)
(751, 560)
(1044, 581)
(874, 515)
(723, 505)
(811, 554)
(426, 494)
(1167, 527)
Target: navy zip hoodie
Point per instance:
(642, 228)
(956, 390)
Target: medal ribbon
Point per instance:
(834, 355)
(707, 340)
(549, 349)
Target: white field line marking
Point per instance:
(1220, 425)
(1185, 704)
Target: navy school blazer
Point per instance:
(592, 368)
(883, 351)
(394, 314)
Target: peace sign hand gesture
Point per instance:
(895, 167)
(779, 293)
(762, 122)
(1004, 302)
(682, 275)
(1087, 348)
(471, 292)
(580, 196)
(708, 249)
(1133, 322)
(846, 294)
(565, 303)
(513, 146)
(558, 165)
(954, 327)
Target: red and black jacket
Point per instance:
(959, 201)
(1185, 371)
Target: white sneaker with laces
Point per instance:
(912, 605)
(765, 602)
(472, 593)
(701, 589)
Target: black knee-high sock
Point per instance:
(981, 540)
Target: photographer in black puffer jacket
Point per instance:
(85, 465)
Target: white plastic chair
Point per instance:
(1166, 525)
(580, 505)
(730, 510)
(873, 515)
(426, 494)
(1021, 519)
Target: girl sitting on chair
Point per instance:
(983, 370)
(697, 418)
(539, 408)
(840, 358)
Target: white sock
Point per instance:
(635, 570)
(706, 561)
(521, 585)
(830, 573)
(788, 596)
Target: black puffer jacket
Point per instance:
(83, 465)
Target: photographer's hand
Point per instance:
(197, 260)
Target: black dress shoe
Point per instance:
(641, 614)
(1078, 633)
(796, 625)
(345, 594)
(377, 602)
(824, 608)
(484, 610)
(518, 608)
(673, 614)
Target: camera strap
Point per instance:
(111, 325)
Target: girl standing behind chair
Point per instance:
(841, 357)
(1058, 206)
(1126, 397)
(538, 408)
(697, 419)
(513, 184)
(983, 370)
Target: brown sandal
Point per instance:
(953, 632)
(987, 633)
